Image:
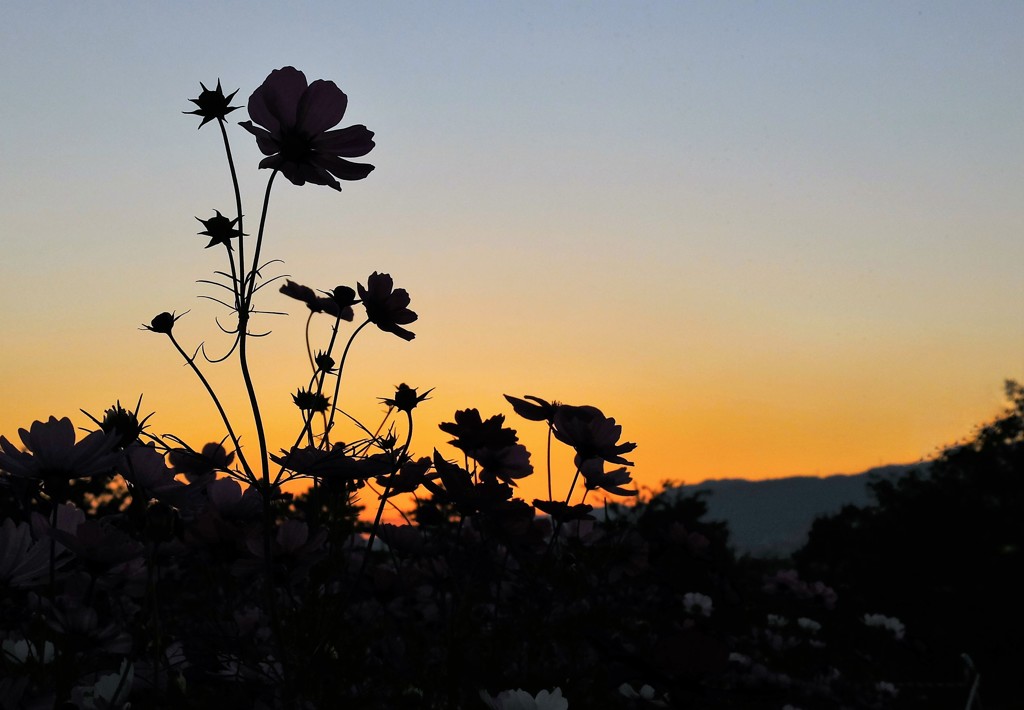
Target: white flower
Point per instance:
(886, 688)
(695, 602)
(109, 692)
(808, 624)
(519, 699)
(22, 651)
(646, 693)
(894, 626)
(777, 621)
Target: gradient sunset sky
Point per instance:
(768, 238)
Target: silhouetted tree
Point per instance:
(941, 549)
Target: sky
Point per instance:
(769, 239)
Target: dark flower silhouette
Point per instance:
(213, 104)
(405, 399)
(387, 307)
(219, 229)
(56, 455)
(309, 401)
(562, 512)
(613, 481)
(472, 433)
(591, 433)
(163, 323)
(337, 303)
(292, 121)
(536, 410)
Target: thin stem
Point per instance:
(220, 408)
(341, 370)
(236, 284)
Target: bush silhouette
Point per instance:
(941, 549)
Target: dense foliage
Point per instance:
(942, 549)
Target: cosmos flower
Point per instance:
(53, 453)
(613, 481)
(519, 699)
(292, 119)
(591, 433)
(387, 307)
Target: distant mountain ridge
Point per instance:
(773, 517)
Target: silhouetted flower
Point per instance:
(333, 465)
(472, 433)
(293, 120)
(405, 399)
(220, 229)
(55, 455)
(25, 561)
(591, 433)
(212, 104)
(309, 401)
(163, 323)
(505, 463)
(538, 410)
(123, 425)
(613, 481)
(201, 465)
(337, 303)
(387, 307)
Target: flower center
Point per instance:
(296, 146)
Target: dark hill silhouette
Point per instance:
(772, 517)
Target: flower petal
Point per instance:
(322, 106)
(341, 168)
(275, 101)
(350, 142)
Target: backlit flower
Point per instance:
(292, 120)
(219, 229)
(591, 433)
(387, 307)
(406, 398)
(213, 104)
(54, 454)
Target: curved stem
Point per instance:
(341, 370)
(249, 287)
(220, 408)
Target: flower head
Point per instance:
(519, 699)
(220, 229)
(55, 454)
(310, 401)
(292, 120)
(163, 323)
(213, 104)
(591, 433)
(387, 307)
(406, 398)
(536, 410)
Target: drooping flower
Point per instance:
(387, 307)
(53, 453)
(613, 481)
(292, 119)
(536, 410)
(163, 323)
(213, 104)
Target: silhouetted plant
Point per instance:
(135, 568)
